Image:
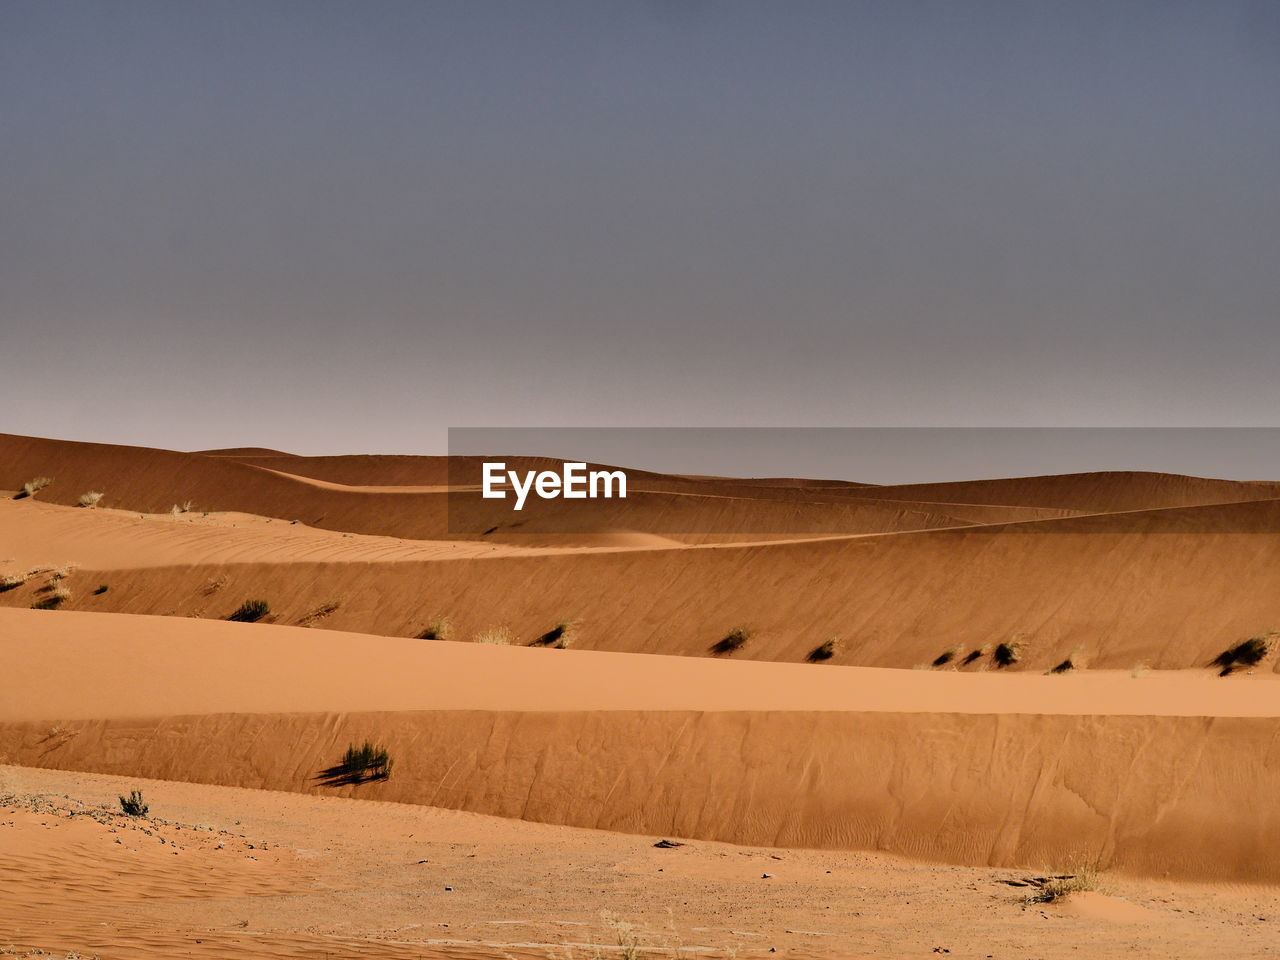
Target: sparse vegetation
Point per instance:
(362, 764)
(734, 640)
(251, 611)
(90, 499)
(438, 629)
(1050, 889)
(54, 597)
(971, 657)
(945, 657)
(557, 636)
(214, 585)
(133, 804)
(1246, 653)
(102, 588)
(824, 651)
(1007, 653)
(496, 635)
(1066, 666)
(12, 582)
(32, 487)
(179, 509)
(320, 612)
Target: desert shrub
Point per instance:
(133, 804)
(54, 597)
(1006, 654)
(557, 636)
(1049, 889)
(102, 588)
(971, 657)
(251, 611)
(89, 499)
(495, 635)
(32, 487)
(320, 612)
(735, 639)
(824, 651)
(945, 657)
(1246, 653)
(438, 629)
(12, 582)
(1066, 666)
(361, 764)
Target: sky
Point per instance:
(332, 227)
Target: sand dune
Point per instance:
(640, 729)
(1112, 591)
(152, 481)
(1001, 770)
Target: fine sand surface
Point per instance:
(1139, 760)
(218, 872)
(986, 769)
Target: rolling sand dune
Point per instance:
(639, 729)
(1111, 591)
(152, 481)
(766, 754)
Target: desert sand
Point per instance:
(935, 785)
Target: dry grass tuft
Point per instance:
(824, 651)
(90, 499)
(54, 597)
(557, 637)
(1246, 653)
(1007, 653)
(500, 636)
(945, 657)
(214, 585)
(438, 629)
(732, 641)
(251, 611)
(12, 582)
(32, 487)
(1051, 889)
(320, 612)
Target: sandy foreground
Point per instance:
(905, 794)
(226, 872)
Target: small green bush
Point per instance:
(133, 805)
(251, 611)
(362, 764)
